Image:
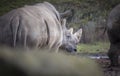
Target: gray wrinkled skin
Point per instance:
(32, 26)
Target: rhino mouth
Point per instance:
(71, 50)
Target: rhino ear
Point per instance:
(78, 34)
(70, 30)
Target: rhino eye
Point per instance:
(68, 37)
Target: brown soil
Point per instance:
(108, 71)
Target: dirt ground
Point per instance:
(108, 71)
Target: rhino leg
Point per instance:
(113, 56)
(113, 52)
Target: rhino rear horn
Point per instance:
(67, 13)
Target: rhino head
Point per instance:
(70, 39)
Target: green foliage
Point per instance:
(89, 8)
(98, 47)
(7, 5)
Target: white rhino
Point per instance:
(34, 26)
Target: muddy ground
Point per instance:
(104, 62)
(108, 71)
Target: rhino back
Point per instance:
(31, 26)
(114, 18)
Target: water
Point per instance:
(95, 56)
(98, 57)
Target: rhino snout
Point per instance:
(71, 50)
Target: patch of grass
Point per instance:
(97, 47)
(38, 62)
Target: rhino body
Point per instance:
(37, 26)
(113, 30)
(32, 26)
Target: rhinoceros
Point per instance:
(36, 26)
(113, 30)
(70, 39)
